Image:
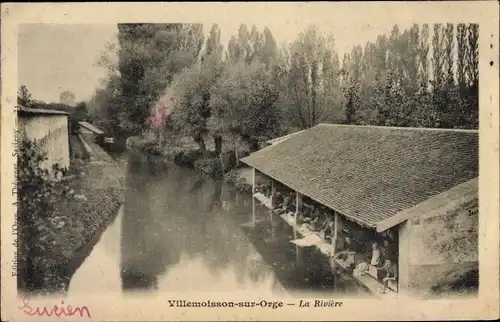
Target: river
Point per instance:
(177, 232)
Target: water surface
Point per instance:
(178, 231)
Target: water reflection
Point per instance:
(178, 233)
(182, 232)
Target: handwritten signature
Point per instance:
(55, 310)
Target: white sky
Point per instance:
(53, 58)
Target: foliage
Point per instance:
(191, 92)
(149, 55)
(309, 73)
(77, 149)
(239, 183)
(423, 76)
(209, 167)
(187, 158)
(45, 234)
(53, 224)
(143, 144)
(67, 98)
(243, 105)
(24, 97)
(395, 84)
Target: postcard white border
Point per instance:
(110, 308)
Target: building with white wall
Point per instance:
(49, 128)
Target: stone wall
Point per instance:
(448, 238)
(437, 252)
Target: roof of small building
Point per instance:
(90, 127)
(28, 110)
(370, 173)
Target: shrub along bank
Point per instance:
(58, 219)
(207, 163)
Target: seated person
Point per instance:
(391, 274)
(330, 231)
(279, 200)
(347, 250)
(301, 216)
(321, 223)
(349, 244)
(287, 206)
(268, 188)
(346, 245)
(306, 213)
(314, 222)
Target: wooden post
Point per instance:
(298, 206)
(295, 235)
(253, 198)
(335, 231)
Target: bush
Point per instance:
(188, 158)
(210, 167)
(239, 183)
(143, 145)
(44, 234)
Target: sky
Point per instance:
(53, 58)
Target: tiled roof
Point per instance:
(370, 173)
(27, 110)
(90, 127)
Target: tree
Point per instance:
(439, 102)
(377, 100)
(149, 55)
(473, 55)
(24, 97)
(411, 59)
(449, 57)
(473, 75)
(438, 56)
(243, 105)
(67, 98)
(423, 54)
(309, 75)
(462, 47)
(213, 47)
(268, 53)
(190, 94)
(352, 105)
(353, 89)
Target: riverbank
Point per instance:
(185, 153)
(89, 199)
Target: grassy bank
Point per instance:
(66, 218)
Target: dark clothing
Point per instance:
(279, 199)
(353, 246)
(390, 252)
